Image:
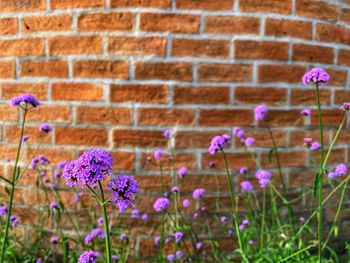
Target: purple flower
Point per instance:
(156, 241)
(241, 227)
(263, 174)
(158, 154)
(88, 257)
(195, 215)
(243, 170)
(124, 187)
(53, 186)
(301, 219)
(25, 138)
(249, 141)
(167, 134)
(306, 112)
(54, 240)
(260, 112)
(251, 242)
(179, 254)
(93, 234)
(238, 132)
(45, 128)
(229, 232)
(186, 203)
(170, 257)
(245, 222)
(345, 106)
(218, 143)
(203, 209)
(61, 165)
(223, 219)
(77, 197)
(264, 183)
(135, 213)
(3, 210)
(144, 217)
(39, 260)
(115, 258)
(332, 175)
(315, 75)
(123, 236)
(182, 172)
(161, 204)
(178, 236)
(14, 220)
(53, 205)
(199, 245)
(341, 169)
(25, 99)
(212, 164)
(198, 193)
(315, 146)
(307, 142)
(100, 221)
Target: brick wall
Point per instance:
(115, 73)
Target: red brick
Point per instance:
(345, 15)
(235, 160)
(330, 117)
(317, 9)
(159, 116)
(46, 23)
(309, 53)
(164, 70)
(288, 28)
(335, 34)
(205, 4)
(338, 77)
(51, 113)
(200, 48)
(139, 93)
(218, 72)
(101, 69)
(201, 95)
(22, 47)
(22, 5)
(64, 4)
(296, 138)
(225, 117)
(7, 69)
(10, 90)
(181, 159)
(281, 73)
(69, 45)
(53, 69)
(169, 23)
(261, 49)
(104, 115)
(142, 138)
(341, 96)
(105, 22)
(231, 25)
(77, 91)
(283, 118)
(163, 4)
(123, 160)
(308, 97)
(262, 138)
(268, 6)
(81, 136)
(8, 113)
(193, 139)
(298, 160)
(35, 136)
(256, 95)
(344, 57)
(8, 26)
(137, 45)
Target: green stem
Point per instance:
(263, 219)
(7, 225)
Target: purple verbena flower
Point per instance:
(54, 240)
(315, 146)
(144, 217)
(45, 127)
(212, 164)
(178, 236)
(14, 220)
(3, 210)
(174, 189)
(246, 186)
(195, 215)
(115, 258)
(199, 245)
(260, 112)
(39, 260)
(53, 205)
(218, 143)
(341, 169)
(167, 134)
(61, 165)
(263, 174)
(264, 183)
(135, 213)
(88, 257)
(251, 242)
(186, 203)
(245, 222)
(170, 257)
(161, 204)
(243, 170)
(123, 236)
(306, 112)
(315, 75)
(25, 138)
(241, 227)
(27, 99)
(249, 141)
(179, 255)
(100, 221)
(223, 219)
(97, 232)
(158, 154)
(198, 193)
(156, 241)
(182, 172)
(345, 106)
(238, 132)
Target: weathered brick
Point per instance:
(345, 15)
(160, 116)
(142, 138)
(104, 115)
(310, 53)
(225, 117)
(308, 97)
(205, 4)
(81, 136)
(288, 28)
(280, 73)
(8, 113)
(137, 45)
(330, 33)
(201, 95)
(163, 4)
(35, 136)
(341, 96)
(317, 9)
(169, 23)
(68, 45)
(283, 118)
(64, 4)
(10, 90)
(53, 69)
(77, 91)
(22, 47)
(339, 77)
(330, 117)
(101, 69)
(22, 5)
(51, 113)
(261, 49)
(7, 69)
(46, 23)
(105, 22)
(269, 6)
(218, 72)
(193, 139)
(235, 160)
(139, 93)
(344, 57)
(8, 26)
(123, 160)
(200, 48)
(231, 25)
(298, 160)
(164, 70)
(256, 95)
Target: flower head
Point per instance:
(341, 169)
(53, 205)
(158, 154)
(144, 217)
(315, 75)
(260, 112)
(27, 99)
(223, 219)
(97, 232)
(167, 134)
(124, 187)
(186, 203)
(45, 128)
(3, 210)
(243, 170)
(156, 241)
(345, 106)
(218, 143)
(25, 138)
(264, 177)
(199, 245)
(315, 146)
(246, 186)
(305, 112)
(198, 193)
(182, 172)
(123, 236)
(100, 221)
(14, 220)
(178, 236)
(88, 257)
(249, 141)
(135, 213)
(179, 254)
(54, 240)
(161, 204)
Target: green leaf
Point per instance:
(317, 179)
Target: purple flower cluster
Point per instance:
(306, 112)
(178, 256)
(14, 220)
(88, 257)
(40, 160)
(340, 170)
(28, 99)
(90, 167)
(123, 187)
(345, 106)
(3, 210)
(45, 128)
(315, 75)
(161, 204)
(264, 177)
(167, 134)
(182, 172)
(312, 145)
(244, 224)
(94, 233)
(239, 133)
(246, 186)
(54, 240)
(178, 236)
(218, 143)
(198, 193)
(260, 112)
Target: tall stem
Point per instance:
(12, 191)
(263, 219)
(320, 186)
(105, 225)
